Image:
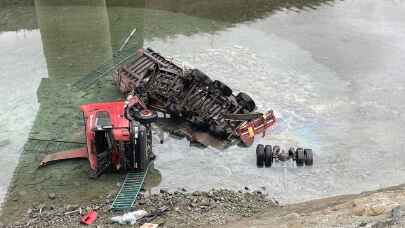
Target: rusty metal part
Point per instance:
(247, 130)
(64, 155)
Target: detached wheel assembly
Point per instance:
(260, 155)
(266, 155)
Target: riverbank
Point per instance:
(185, 209)
(244, 208)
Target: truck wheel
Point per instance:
(309, 157)
(200, 77)
(268, 156)
(145, 116)
(225, 90)
(291, 153)
(141, 152)
(246, 101)
(217, 130)
(259, 155)
(300, 157)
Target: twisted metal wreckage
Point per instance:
(118, 133)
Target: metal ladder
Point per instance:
(130, 189)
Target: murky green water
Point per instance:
(332, 71)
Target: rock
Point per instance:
(183, 189)
(292, 216)
(257, 192)
(163, 191)
(51, 195)
(141, 202)
(375, 210)
(362, 224)
(359, 210)
(29, 211)
(196, 193)
(205, 203)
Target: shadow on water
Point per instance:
(76, 37)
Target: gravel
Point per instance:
(216, 206)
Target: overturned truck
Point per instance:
(191, 95)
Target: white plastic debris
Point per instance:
(129, 218)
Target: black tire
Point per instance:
(268, 156)
(246, 101)
(291, 153)
(200, 77)
(225, 90)
(299, 157)
(217, 130)
(145, 116)
(141, 153)
(309, 157)
(260, 155)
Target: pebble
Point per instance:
(29, 211)
(196, 193)
(51, 195)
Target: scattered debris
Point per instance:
(266, 155)
(186, 208)
(149, 225)
(89, 218)
(127, 39)
(75, 211)
(153, 215)
(129, 218)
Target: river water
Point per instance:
(331, 70)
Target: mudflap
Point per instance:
(64, 155)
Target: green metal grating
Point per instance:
(130, 189)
